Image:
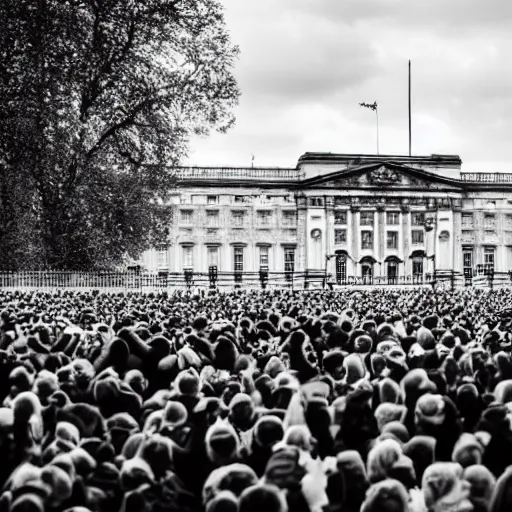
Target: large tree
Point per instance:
(98, 101)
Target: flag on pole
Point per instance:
(371, 106)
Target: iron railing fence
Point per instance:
(133, 280)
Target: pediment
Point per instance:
(383, 176)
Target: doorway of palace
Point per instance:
(341, 268)
(392, 271)
(367, 270)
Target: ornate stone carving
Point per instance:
(316, 234)
(384, 176)
(468, 236)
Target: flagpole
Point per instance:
(377, 117)
(409, 108)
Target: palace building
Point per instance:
(347, 218)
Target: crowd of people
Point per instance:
(250, 401)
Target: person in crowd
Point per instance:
(279, 400)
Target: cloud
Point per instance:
(306, 64)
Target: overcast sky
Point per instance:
(305, 65)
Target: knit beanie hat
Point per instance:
(299, 436)
(262, 497)
(377, 364)
(187, 383)
(421, 450)
(430, 409)
(85, 417)
(45, 384)
(274, 367)
(233, 477)
(416, 380)
(381, 458)
(482, 483)
(136, 380)
(59, 482)
(425, 338)
(283, 468)
(221, 441)
(363, 344)
(268, 431)
(388, 412)
(443, 487)
(398, 429)
(121, 426)
(431, 322)
(389, 391)
(226, 354)
(386, 496)
(224, 501)
(134, 473)
(467, 451)
(174, 415)
(157, 450)
(503, 391)
(333, 361)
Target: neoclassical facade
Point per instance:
(388, 219)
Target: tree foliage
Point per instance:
(98, 100)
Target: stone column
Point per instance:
(406, 238)
(457, 235)
(381, 229)
(302, 236)
(329, 233)
(354, 246)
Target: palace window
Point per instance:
(212, 199)
(366, 240)
(489, 253)
(161, 256)
(238, 218)
(418, 219)
(238, 260)
(186, 216)
(417, 267)
(289, 219)
(264, 257)
(188, 257)
(316, 201)
(289, 259)
(392, 218)
(264, 217)
(340, 236)
(212, 218)
(490, 221)
(213, 256)
(467, 260)
(392, 240)
(418, 237)
(367, 218)
(340, 218)
(467, 220)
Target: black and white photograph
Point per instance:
(255, 256)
